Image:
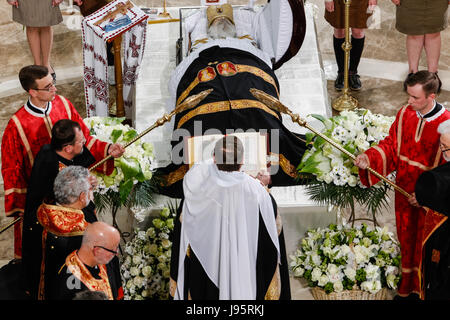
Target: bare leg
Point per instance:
(414, 46)
(358, 33)
(33, 36)
(46, 46)
(433, 50)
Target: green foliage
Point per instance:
(373, 199)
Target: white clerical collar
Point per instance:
(433, 114)
(37, 111)
(431, 110)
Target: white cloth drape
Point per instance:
(220, 221)
(95, 57)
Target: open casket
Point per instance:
(277, 28)
(266, 37)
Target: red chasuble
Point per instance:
(411, 148)
(26, 132)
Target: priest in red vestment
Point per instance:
(411, 148)
(28, 130)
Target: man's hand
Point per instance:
(78, 2)
(116, 150)
(56, 3)
(329, 6)
(396, 2)
(413, 201)
(362, 161)
(14, 3)
(263, 177)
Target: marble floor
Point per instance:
(383, 68)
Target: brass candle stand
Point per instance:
(165, 14)
(346, 101)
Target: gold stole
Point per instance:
(79, 270)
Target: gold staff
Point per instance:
(189, 103)
(345, 101)
(275, 104)
(3, 229)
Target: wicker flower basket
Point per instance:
(319, 294)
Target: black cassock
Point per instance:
(45, 169)
(231, 73)
(198, 286)
(433, 191)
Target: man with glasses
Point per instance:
(63, 224)
(411, 148)
(94, 266)
(67, 148)
(433, 191)
(28, 130)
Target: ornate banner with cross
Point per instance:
(125, 24)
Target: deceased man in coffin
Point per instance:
(232, 50)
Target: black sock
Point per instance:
(355, 54)
(339, 53)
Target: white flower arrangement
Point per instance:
(337, 259)
(334, 177)
(356, 131)
(130, 183)
(134, 166)
(145, 268)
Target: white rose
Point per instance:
(134, 271)
(166, 243)
(332, 269)
(138, 281)
(142, 235)
(338, 286)
(126, 275)
(350, 273)
(316, 274)
(371, 286)
(162, 258)
(153, 249)
(316, 259)
(323, 280)
(137, 259)
(298, 272)
(372, 272)
(345, 249)
(147, 271)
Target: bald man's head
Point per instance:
(102, 239)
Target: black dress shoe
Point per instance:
(339, 82)
(354, 82)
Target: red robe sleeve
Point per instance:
(383, 158)
(99, 149)
(15, 179)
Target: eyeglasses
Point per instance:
(109, 250)
(48, 88)
(443, 148)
